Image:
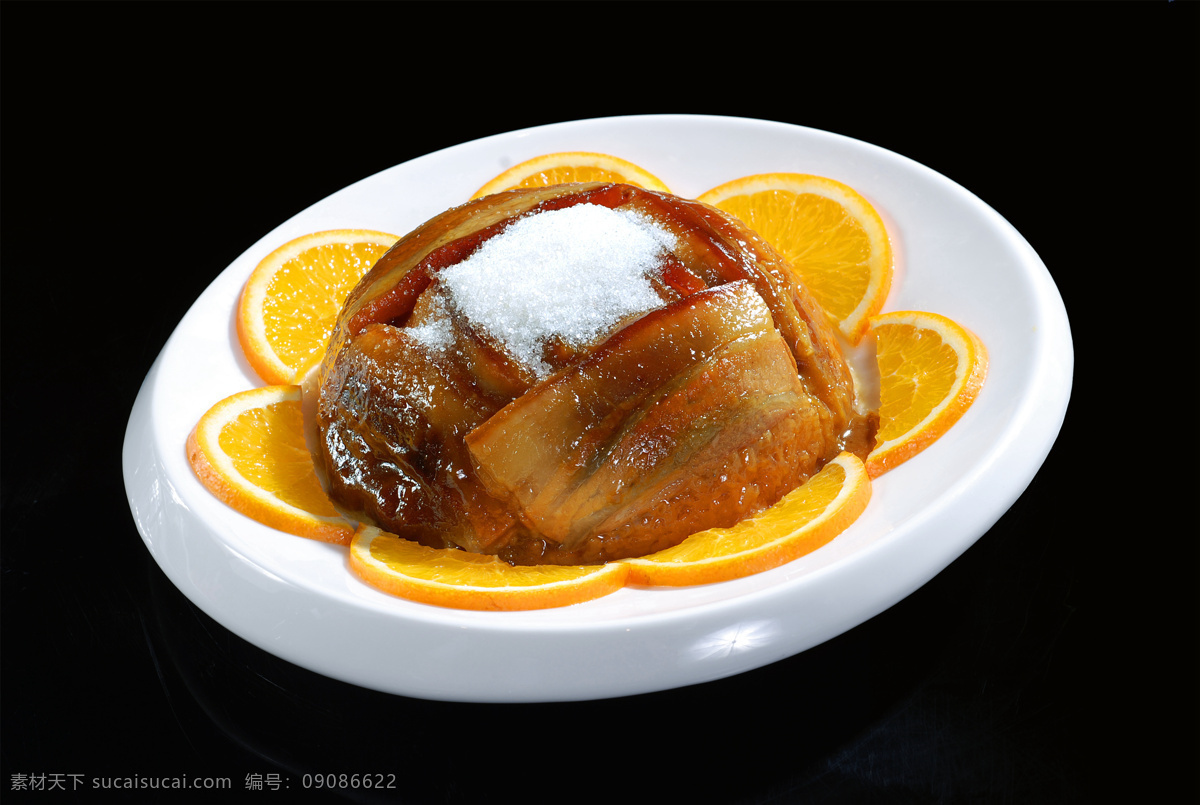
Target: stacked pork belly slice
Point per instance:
(576, 374)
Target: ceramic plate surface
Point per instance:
(298, 600)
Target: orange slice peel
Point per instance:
(804, 520)
(931, 370)
(571, 166)
(291, 300)
(249, 451)
(829, 233)
(461, 580)
(807, 518)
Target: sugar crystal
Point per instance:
(569, 275)
(436, 333)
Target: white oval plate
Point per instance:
(298, 600)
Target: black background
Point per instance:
(146, 146)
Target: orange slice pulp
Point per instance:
(292, 299)
(571, 166)
(462, 580)
(930, 372)
(804, 520)
(249, 450)
(832, 236)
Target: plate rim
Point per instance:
(1049, 422)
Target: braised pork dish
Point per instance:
(576, 374)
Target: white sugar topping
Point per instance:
(435, 334)
(568, 274)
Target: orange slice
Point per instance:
(292, 299)
(571, 166)
(930, 371)
(830, 234)
(804, 520)
(462, 580)
(249, 450)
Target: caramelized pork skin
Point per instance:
(697, 414)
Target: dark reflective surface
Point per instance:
(771, 726)
(1055, 661)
